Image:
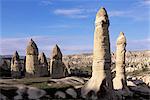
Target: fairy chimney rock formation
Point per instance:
(119, 81)
(43, 65)
(57, 67)
(101, 73)
(32, 59)
(16, 66)
(56, 53)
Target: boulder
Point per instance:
(60, 94)
(71, 92)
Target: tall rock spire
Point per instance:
(16, 66)
(32, 48)
(101, 74)
(119, 81)
(31, 58)
(57, 67)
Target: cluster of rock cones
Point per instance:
(36, 64)
(102, 86)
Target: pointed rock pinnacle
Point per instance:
(56, 53)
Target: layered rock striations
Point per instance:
(101, 74)
(119, 82)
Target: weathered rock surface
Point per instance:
(71, 92)
(57, 67)
(35, 93)
(43, 65)
(60, 94)
(101, 73)
(16, 66)
(69, 81)
(119, 82)
(32, 59)
(13, 89)
(5, 70)
(135, 60)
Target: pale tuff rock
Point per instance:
(56, 53)
(101, 75)
(68, 71)
(57, 67)
(43, 65)
(20, 92)
(35, 93)
(16, 66)
(32, 59)
(60, 94)
(69, 81)
(71, 92)
(119, 82)
(32, 48)
(4, 65)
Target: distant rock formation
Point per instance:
(4, 68)
(57, 67)
(101, 81)
(16, 66)
(43, 65)
(32, 59)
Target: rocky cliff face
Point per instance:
(134, 60)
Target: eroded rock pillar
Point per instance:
(16, 66)
(57, 67)
(119, 81)
(101, 74)
(43, 65)
(32, 59)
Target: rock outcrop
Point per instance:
(43, 65)
(5, 70)
(57, 67)
(32, 59)
(16, 66)
(101, 81)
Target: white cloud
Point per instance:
(141, 44)
(144, 2)
(67, 44)
(58, 26)
(46, 2)
(118, 13)
(132, 14)
(73, 12)
(68, 12)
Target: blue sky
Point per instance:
(70, 24)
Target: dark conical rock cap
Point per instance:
(32, 48)
(15, 56)
(102, 12)
(56, 53)
(121, 39)
(42, 58)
